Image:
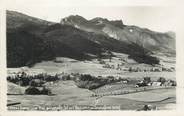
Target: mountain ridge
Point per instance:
(16, 19)
(26, 35)
(152, 40)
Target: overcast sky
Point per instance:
(156, 18)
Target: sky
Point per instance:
(157, 18)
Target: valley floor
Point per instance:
(68, 94)
(93, 67)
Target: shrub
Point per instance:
(66, 77)
(147, 80)
(86, 77)
(102, 62)
(32, 91)
(145, 58)
(29, 80)
(162, 80)
(36, 83)
(36, 91)
(45, 91)
(91, 82)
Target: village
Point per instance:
(100, 86)
(123, 77)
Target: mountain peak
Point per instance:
(154, 41)
(76, 17)
(97, 19)
(73, 18)
(118, 23)
(105, 20)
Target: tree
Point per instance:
(100, 55)
(32, 91)
(162, 80)
(45, 91)
(130, 69)
(109, 55)
(147, 80)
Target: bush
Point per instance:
(45, 91)
(66, 77)
(147, 80)
(29, 80)
(36, 83)
(144, 58)
(102, 62)
(32, 91)
(91, 82)
(174, 83)
(162, 80)
(36, 91)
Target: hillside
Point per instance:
(151, 40)
(31, 40)
(16, 20)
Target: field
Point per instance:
(136, 101)
(67, 93)
(64, 93)
(93, 67)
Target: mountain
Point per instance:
(16, 20)
(31, 40)
(154, 41)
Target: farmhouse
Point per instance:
(156, 83)
(141, 84)
(169, 83)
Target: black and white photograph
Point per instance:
(90, 58)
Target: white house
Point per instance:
(156, 83)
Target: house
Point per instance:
(125, 81)
(170, 83)
(149, 84)
(156, 83)
(141, 84)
